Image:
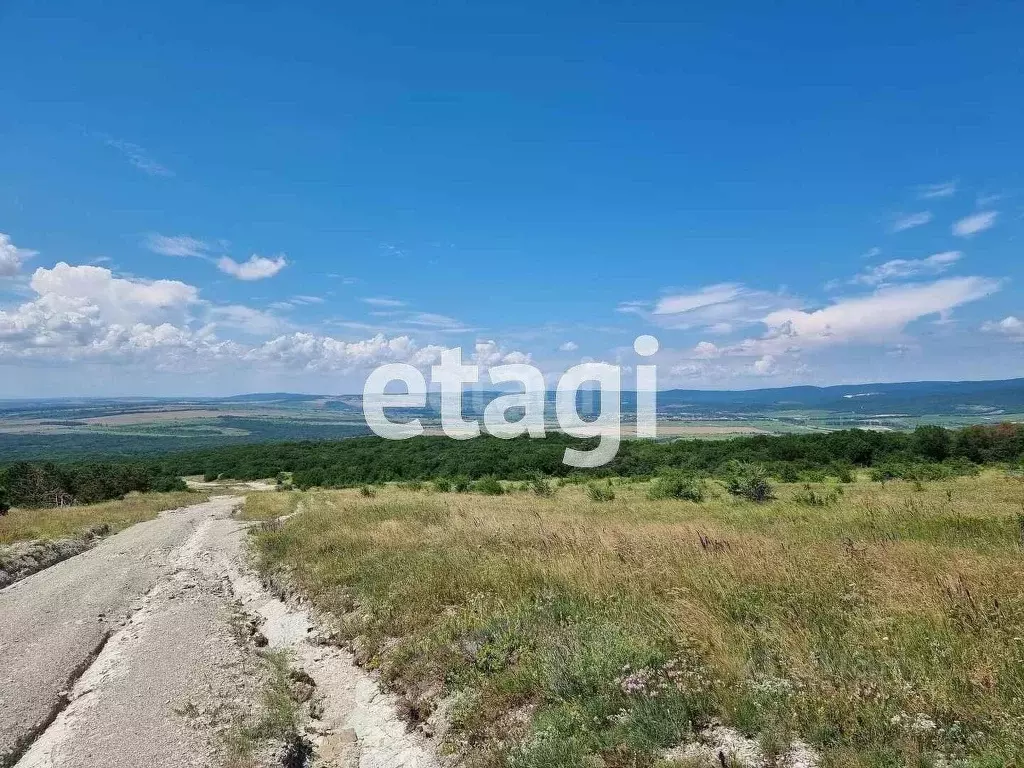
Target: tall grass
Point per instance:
(886, 629)
(60, 522)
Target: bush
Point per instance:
(749, 481)
(367, 492)
(167, 484)
(5, 501)
(809, 497)
(600, 493)
(676, 485)
(541, 486)
(489, 486)
(461, 484)
(442, 485)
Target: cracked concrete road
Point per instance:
(135, 653)
(56, 624)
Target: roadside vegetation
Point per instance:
(63, 522)
(564, 624)
(269, 505)
(24, 484)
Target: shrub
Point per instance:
(442, 485)
(411, 485)
(600, 493)
(541, 486)
(676, 485)
(461, 484)
(809, 497)
(367, 491)
(749, 481)
(489, 486)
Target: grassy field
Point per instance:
(885, 628)
(55, 523)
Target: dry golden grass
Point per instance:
(269, 505)
(55, 523)
(886, 629)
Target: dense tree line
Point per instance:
(25, 484)
(788, 457)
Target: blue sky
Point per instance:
(211, 198)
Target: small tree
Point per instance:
(5, 502)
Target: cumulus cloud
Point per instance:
(488, 353)
(86, 313)
(12, 257)
(1009, 326)
(901, 269)
(765, 366)
(568, 346)
(256, 268)
(975, 223)
(910, 220)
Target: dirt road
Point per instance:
(131, 654)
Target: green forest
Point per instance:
(926, 452)
(47, 484)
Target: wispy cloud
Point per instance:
(902, 269)
(383, 301)
(138, 157)
(942, 189)
(176, 245)
(975, 223)
(720, 307)
(256, 268)
(568, 346)
(910, 220)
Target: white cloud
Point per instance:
(489, 353)
(12, 257)
(1009, 326)
(138, 157)
(910, 220)
(256, 268)
(253, 321)
(706, 297)
(705, 350)
(873, 318)
(720, 308)
(175, 245)
(766, 366)
(942, 189)
(85, 313)
(975, 223)
(383, 301)
(901, 269)
(568, 346)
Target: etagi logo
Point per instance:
(451, 376)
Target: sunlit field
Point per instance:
(882, 624)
